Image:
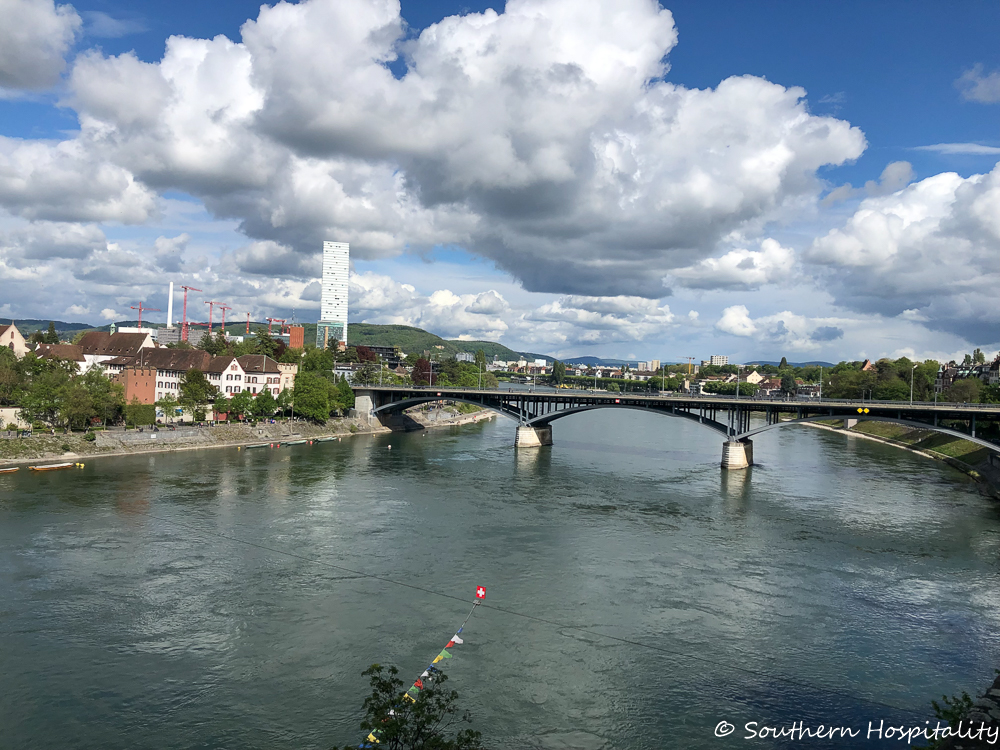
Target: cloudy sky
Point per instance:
(609, 177)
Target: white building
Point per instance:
(332, 325)
(718, 360)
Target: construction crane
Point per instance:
(140, 308)
(224, 308)
(211, 307)
(248, 324)
(275, 320)
(184, 324)
(690, 360)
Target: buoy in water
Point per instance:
(390, 447)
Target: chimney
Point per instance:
(170, 306)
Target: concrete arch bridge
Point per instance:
(535, 411)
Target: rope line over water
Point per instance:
(535, 618)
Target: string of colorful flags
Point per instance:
(428, 675)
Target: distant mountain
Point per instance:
(29, 326)
(414, 340)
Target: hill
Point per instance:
(414, 340)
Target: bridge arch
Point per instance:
(862, 418)
(546, 419)
(399, 406)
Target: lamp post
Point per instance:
(821, 382)
(912, 370)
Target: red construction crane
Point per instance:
(140, 308)
(211, 307)
(248, 324)
(224, 308)
(274, 320)
(184, 324)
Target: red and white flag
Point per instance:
(480, 592)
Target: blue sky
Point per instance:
(906, 76)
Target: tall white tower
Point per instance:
(332, 325)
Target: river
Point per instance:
(204, 599)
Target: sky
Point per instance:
(615, 178)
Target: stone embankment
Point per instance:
(119, 442)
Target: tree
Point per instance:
(965, 391)
(783, 364)
(317, 360)
(241, 404)
(788, 384)
(196, 391)
(108, 398)
(421, 372)
(480, 360)
(613, 387)
(215, 345)
(367, 374)
(286, 399)
(139, 414)
(978, 357)
(427, 723)
(312, 397)
(264, 405)
(77, 406)
(46, 382)
(169, 404)
(558, 372)
(365, 354)
(263, 344)
(51, 337)
(346, 393)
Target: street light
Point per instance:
(912, 370)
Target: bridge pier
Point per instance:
(532, 437)
(737, 454)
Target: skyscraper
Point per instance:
(332, 325)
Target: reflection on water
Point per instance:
(204, 598)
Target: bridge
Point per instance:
(535, 411)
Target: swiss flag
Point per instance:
(480, 592)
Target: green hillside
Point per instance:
(416, 340)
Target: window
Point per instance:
(229, 377)
(159, 384)
(229, 389)
(239, 377)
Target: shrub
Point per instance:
(65, 448)
(90, 437)
(353, 428)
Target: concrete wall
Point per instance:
(9, 415)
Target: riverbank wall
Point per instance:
(17, 451)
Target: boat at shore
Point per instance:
(9, 469)
(294, 442)
(258, 445)
(54, 467)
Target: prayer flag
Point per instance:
(425, 673)
(437, 659)
(480, 592)
(419, 684)
(444, 654)
(407, 695)
(456, 639)
(449, 644)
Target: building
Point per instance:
(654, 365)
(260, 373)
(139, 383)
(12, 339)
(332, 325)
(717, 360)
(465, 357)
(754, 378)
